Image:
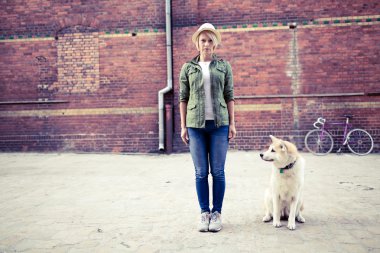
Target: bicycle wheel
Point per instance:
(359, 142)
(319, 142)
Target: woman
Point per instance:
(207, 120)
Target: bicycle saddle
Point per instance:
(350, 116)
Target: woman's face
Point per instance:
(206, 45)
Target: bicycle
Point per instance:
(319, 141)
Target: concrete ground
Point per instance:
(147, 203)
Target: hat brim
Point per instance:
(214, 31)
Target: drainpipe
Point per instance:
(161, 93)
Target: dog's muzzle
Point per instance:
(268, 160)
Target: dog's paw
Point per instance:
(300, 219)
(267, 218)
(277, 224)
(291, 225)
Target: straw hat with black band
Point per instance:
(206, 27)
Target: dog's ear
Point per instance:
(273, 138)
(283, 146)
(291, 148)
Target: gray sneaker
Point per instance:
(204, 223)
(215, 222)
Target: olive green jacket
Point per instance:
(191, 90)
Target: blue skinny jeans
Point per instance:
(208, 148)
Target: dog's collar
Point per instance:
(288, 167)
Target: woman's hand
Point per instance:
(232, 132)
(184, 135)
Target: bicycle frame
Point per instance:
(325, 126)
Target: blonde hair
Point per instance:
(211, 35)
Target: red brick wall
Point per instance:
(48, 17)
(324, 59)
(83, 55)
(222, 12)
(114, 109)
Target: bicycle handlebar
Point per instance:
(320, 121)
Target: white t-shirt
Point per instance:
(207, 84)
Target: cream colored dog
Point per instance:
(284, 196)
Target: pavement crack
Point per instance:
(125, 245)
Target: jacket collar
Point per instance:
(195, 60)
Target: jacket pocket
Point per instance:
(191, 115)
(192, 70)
(191, 106)
(222, 69)
(223, 104)
(194, 76)
(219, 75)
(223, 111)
